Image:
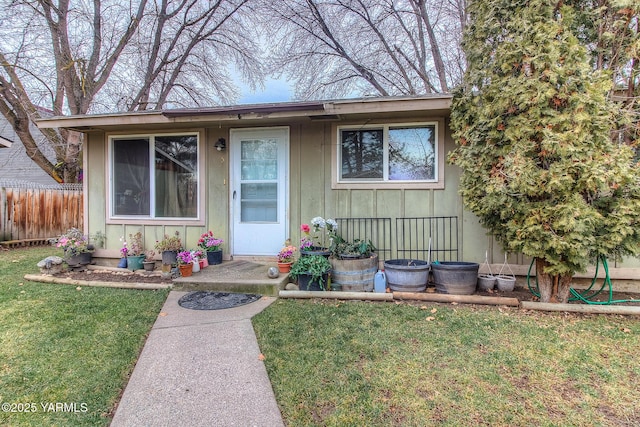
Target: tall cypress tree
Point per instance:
(533, 122)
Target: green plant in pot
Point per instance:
(356, 249)
(77, 250)
(149, 264)
(135, 252)
(169, 247)
(311, 271)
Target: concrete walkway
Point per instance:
(200, 368)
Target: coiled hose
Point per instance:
(588, 294)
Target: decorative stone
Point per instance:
(51, 265)
(273, 272)
(292, 287)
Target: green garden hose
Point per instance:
(586, 295)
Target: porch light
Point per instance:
(220, 144)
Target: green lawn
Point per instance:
(65, 352)
(381, 364)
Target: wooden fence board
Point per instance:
(39, 213)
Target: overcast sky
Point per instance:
(274, 91)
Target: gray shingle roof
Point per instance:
(15, 164)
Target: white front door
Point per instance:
(259, 189)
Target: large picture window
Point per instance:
(388, 153)
(155, 176)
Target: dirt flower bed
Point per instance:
(115, 276)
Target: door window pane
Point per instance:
(412, 153)
(131, 183)
(362, 154)
(259, 160)
(259, 202)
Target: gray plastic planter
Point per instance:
(457, 278)
(407, 275)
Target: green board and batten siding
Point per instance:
(216, 204)
(311, 194)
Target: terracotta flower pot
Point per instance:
(186, 270)
(284, 267)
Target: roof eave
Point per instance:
(316, 110)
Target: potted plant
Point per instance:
(312, 272)
(320, 240)
(196, 260)
(149, 264)
(169, 247)
(201, 258)
(285, 257)
(353, 264)
(211, 245)
(76, 247)
(185, 263)
(135, 252)
(357, 249)
(123, 253)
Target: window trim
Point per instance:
(150, 219)
(336, 158)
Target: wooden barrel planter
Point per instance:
(354, 275)
(407, 275)
(457, 278)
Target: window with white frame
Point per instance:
(388, 153)
(154, 176)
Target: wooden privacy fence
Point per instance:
(39, 213)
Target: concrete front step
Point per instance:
(239, 276)
(268, 289)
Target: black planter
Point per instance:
(82, 258)
(214, 257)
(307, 283)
(170, 257)
(315, 250)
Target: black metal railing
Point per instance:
(378, 230)
(414, 236)
(409, 239)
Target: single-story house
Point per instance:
(254, 173)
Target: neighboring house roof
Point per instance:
(257, 114)
(15, 164)
(4, 142)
